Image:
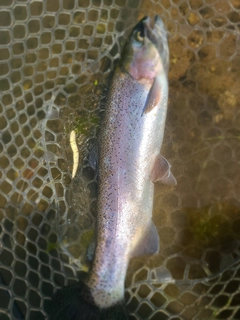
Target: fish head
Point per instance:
(146, 53)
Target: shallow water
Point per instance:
(56, 61)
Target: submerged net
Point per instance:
(56, 58)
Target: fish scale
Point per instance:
(130, 142)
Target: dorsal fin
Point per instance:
(93, 156)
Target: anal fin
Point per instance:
(161, 171)
(149, 243)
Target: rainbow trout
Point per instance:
(129, 164)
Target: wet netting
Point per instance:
(56, 59)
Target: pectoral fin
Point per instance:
(162, 172)
(153, 97)
(149, 243)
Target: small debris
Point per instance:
(74, 147)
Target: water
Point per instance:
(56, 61)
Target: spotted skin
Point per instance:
(130, 142)
(131, 139)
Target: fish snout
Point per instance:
(158, 21)
(154, 29)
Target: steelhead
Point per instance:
(129, 164)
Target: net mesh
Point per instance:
(56, 58)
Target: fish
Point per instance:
(129, 165)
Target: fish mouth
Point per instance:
(150, 27)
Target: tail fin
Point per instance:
(68, 304)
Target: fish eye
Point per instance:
(138, 36)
